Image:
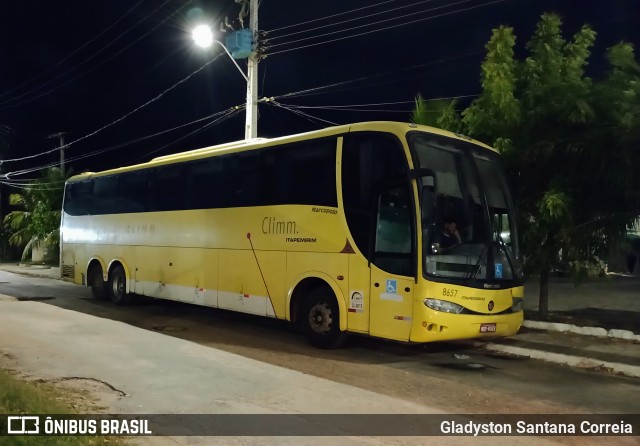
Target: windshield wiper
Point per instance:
(474, 272)
(500, 240)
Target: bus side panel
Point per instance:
(242, 281)
(168, 273)
(207, 281)
(274, 266)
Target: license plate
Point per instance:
(487, 328)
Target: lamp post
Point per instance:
(203, 37)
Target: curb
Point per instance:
(586, 331)
(573, 361)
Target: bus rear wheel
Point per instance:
(98, 286)
(118, 286)
(321, 320)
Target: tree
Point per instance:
(555, 127)
(36, 221)
(436, 113)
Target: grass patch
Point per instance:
(26, 397)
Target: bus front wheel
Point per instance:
(321, 320)
(118, 286)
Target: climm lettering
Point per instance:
(271, 225)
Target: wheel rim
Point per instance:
(117, 286)
(320, 318)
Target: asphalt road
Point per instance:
(454, 377)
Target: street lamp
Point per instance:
(203, 37)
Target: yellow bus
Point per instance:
(392, 230)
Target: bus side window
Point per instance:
(205, 178)
(276, 181)
(242, 178)
(78, 198)
(168, 188)
(299, 173)
(133, 191)
(313, 173)
(105, 190)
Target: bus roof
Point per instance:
(398, 128)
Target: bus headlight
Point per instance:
(517, 304)
(443, 305)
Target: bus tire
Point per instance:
(321, 320)
(98, 286)
(118, 286)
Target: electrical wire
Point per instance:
(230, 112)
(321, 89)
(115, 147)
(386, 11)
(64, 59)
(300, 113)
(388, 27)
(359, 107)
(350, 105)
(8, 104)
(10, 175)
(331, 16)
(119, 119)
(355, 106)
(372, 23)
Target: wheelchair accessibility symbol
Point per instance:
(392, 286)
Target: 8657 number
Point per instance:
(449, 292)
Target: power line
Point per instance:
(386, 11)
(360, 107)
(331, 16)
(228, 114)
(10, 175)
(389, 27)
(372, 23)
(42, 73)
(350, 105)
(8, 104)
(316, 90)
(119, 119)
(337, 107)
(300, 113)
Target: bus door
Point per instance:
(392, 264)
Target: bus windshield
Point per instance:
(468, 219)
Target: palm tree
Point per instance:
(36, 221)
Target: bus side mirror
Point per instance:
(429, 180)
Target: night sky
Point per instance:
(78, 66)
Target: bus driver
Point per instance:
(448, 237)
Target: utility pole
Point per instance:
(251, 126)
(60, 136)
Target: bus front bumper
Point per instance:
(434, 326)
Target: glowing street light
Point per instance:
(202, 36)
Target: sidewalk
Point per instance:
(594, 326)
